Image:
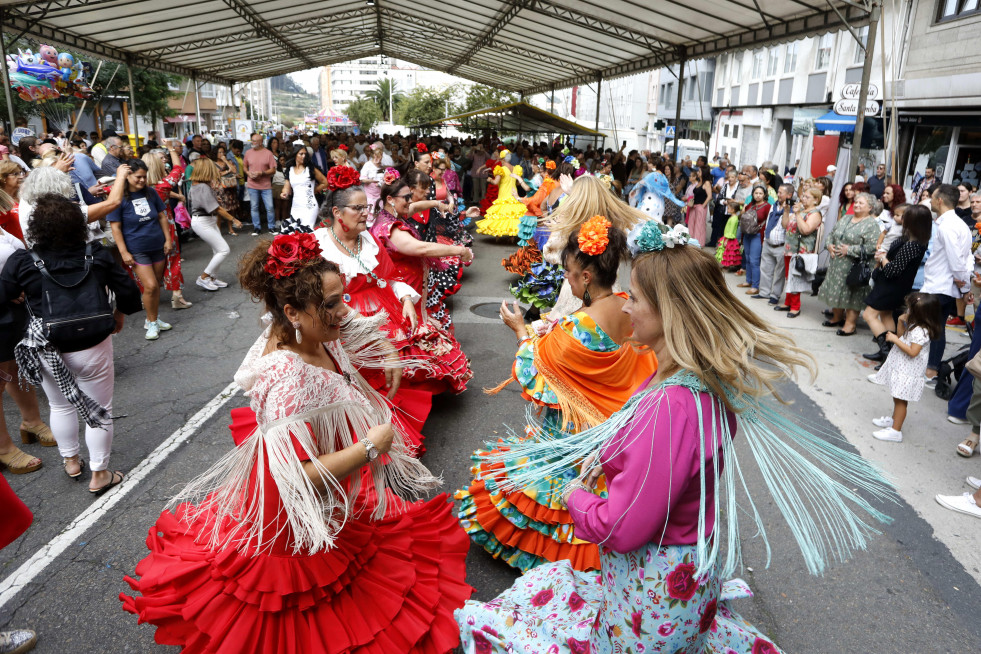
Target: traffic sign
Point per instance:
(669, 131)
(850, 108)
(854, 92)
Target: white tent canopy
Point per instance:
(528, 46)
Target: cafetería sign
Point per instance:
(854, 91)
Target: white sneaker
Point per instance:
(960, 503)
(974, 482)
(163, 326)
(884, 421)
(217, 282)
(872, 379)
(152, 332)
(957, 421)
(929, 382)
(888, 434)
(206, 284)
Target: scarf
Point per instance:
(34, 349)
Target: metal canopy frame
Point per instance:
(528, 46)
(520, 117)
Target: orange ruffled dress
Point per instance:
(266, 563)
(504, 215)
(580, 376)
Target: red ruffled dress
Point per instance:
(265, 562)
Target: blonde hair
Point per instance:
(7, 168)
(339, 153)
(155, 169)
(749, 357)
(589, 197)
(205, 171)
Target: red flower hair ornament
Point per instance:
(342, 147)
(341, 177)
(289, 252)
(421, 148)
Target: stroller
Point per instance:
(950, 370)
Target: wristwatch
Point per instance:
(370, 451)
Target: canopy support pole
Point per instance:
(683, 55)
(599, 88)
(197, 104)
(863, 94)
(132, 104)
(6, 77)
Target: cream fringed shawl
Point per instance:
(321, 411)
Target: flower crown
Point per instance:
(550, 165)
(341, 177)
(289, 252)
(654, 236)
(421, 148)
(342, 147)
(391, 175)
(594, 235)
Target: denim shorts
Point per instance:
(149, 258)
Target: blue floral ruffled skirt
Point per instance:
(647, 600)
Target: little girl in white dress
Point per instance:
(904, 368)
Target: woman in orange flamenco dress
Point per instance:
(579, 371)
(306, 536)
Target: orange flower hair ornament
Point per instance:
(550, 165)
(594, 235)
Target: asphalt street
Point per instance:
(914, 591)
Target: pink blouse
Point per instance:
(653, 489)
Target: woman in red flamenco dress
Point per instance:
(434, 362)
(306, 537)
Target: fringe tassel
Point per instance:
(500, 387)
(829, 520)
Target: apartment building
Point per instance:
(623, 110)
(696, 104)
(343, 83)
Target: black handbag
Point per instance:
(861, 271)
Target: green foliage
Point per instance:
(479, 96)
(365, 112)
(380, 95)
(150, 88)
(425, 104)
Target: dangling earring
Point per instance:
(299, 335)
(586, 300)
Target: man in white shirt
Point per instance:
(946, 274)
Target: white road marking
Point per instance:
(30, 569)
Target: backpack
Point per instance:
(75, 312)
(749, 222)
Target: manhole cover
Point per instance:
(487, 309)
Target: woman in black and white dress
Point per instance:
(303, 181)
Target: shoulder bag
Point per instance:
(861, 271)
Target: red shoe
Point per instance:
(956, 322)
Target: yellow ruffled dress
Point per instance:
(504, 216)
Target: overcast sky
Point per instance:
(308, 79)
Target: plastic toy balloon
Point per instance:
(48, 75)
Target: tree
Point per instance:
(384, 89)
(150, 88)
(365, 112)
(479, 96)
(425, 105)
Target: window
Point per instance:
(953, 9)
(825, 44)
(725, 130)
(863, 36)
(790, 57)
(772, 62)
(690, 83)
(723, 68)
(757, 63)
(735, 131)
(737, 68)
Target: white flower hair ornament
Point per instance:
(654, 236)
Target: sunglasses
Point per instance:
(403, 196)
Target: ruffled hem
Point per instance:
(498, 226)
(520, 262)
(526, 229)
(387, 586)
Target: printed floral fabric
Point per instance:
(647, 600)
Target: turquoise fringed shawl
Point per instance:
(821, 500)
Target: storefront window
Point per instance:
(929, 149)
(967, 166)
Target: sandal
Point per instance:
(966, 447)
(116, 479)
(828, 323)
(19, 462)
(40, 433)
(81, 466)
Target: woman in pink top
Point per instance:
(663, 529)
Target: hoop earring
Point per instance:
(586, 300)
(298, 334)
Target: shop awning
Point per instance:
(516, 117)
(182, 118)
(493, 42)
(832, 122)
